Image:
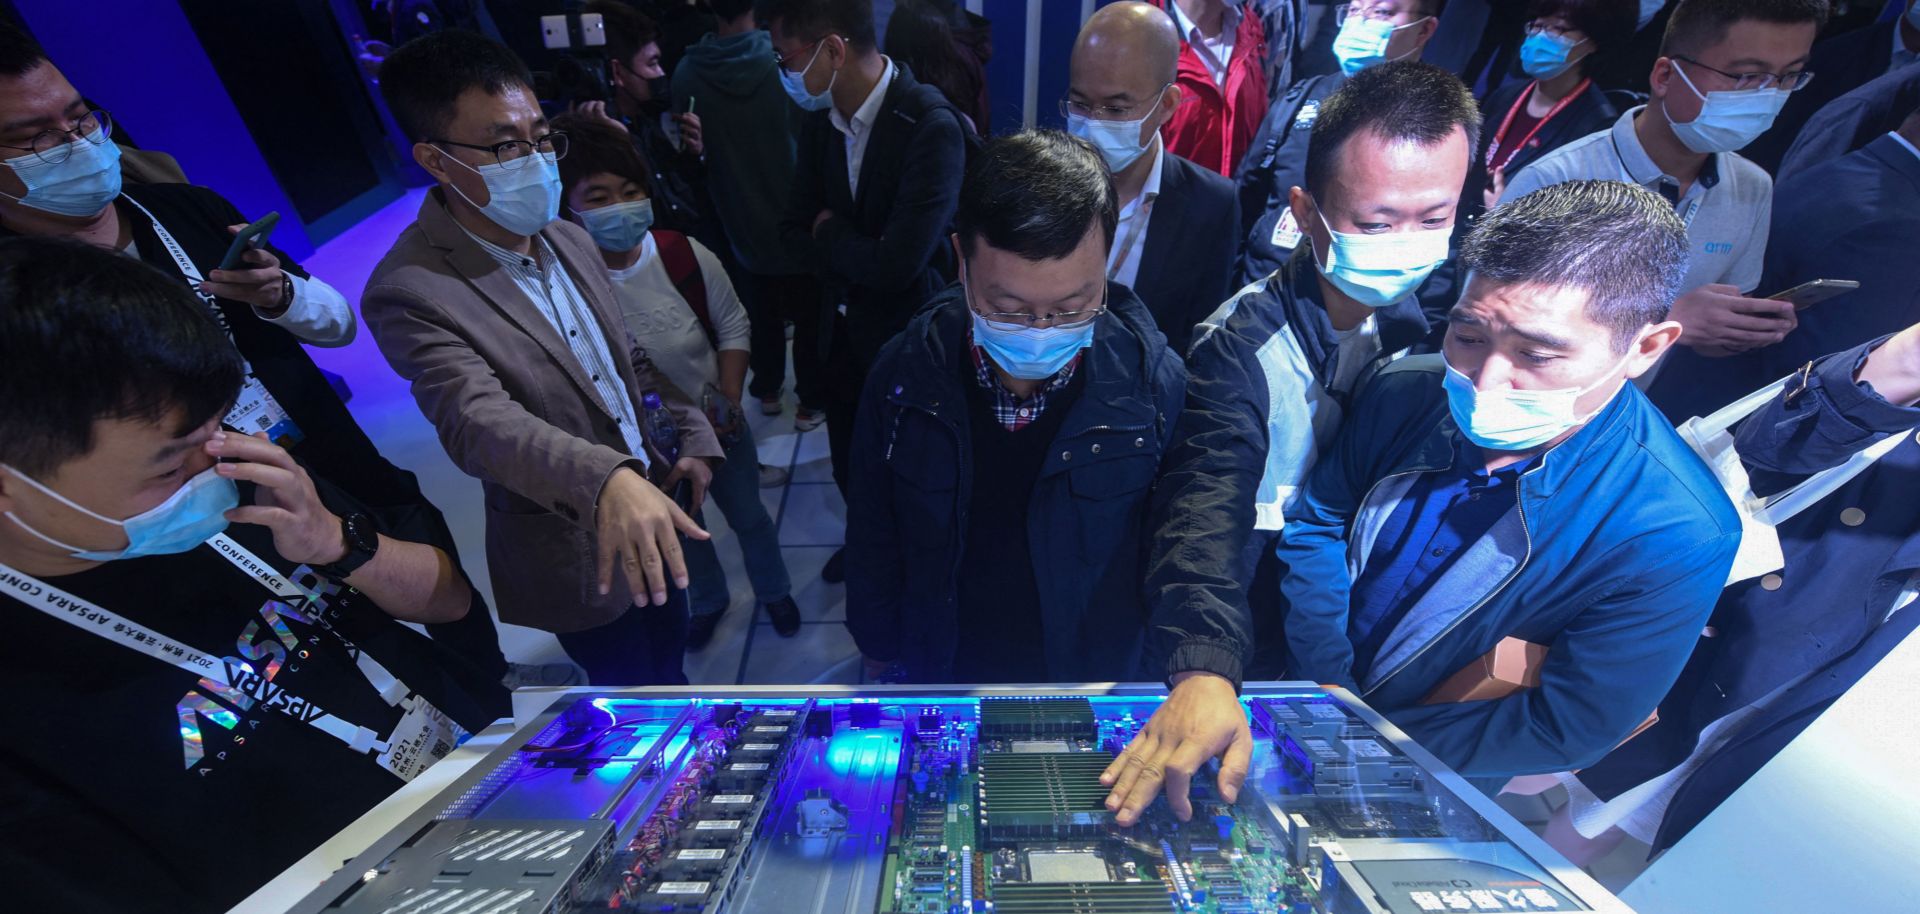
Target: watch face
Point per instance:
(360, 534)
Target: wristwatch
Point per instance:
(362, 542)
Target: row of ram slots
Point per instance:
(688, 854)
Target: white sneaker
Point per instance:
(770, 406)
(773, 477)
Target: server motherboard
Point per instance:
(924, 801)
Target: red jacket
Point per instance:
(1215, 123)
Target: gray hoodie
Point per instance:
(748, 124)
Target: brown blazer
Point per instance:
(515, 409)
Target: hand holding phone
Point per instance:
(1808, 294)
(251, 238)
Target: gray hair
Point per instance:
(1622, 243)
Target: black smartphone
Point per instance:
(1806, 295)
(250, 238)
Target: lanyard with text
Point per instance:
(423, 736)
(256, 410)
(1499, 138)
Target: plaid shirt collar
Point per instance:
(1009, 409)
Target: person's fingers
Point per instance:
(1235, 764)
(261, 515)
(675, 559)
(258, 276)
(1145, 787)
(643, 573)
(1121, 774)
(699, 493)
(262, 258)
(1766, 307)
(261, 474)
(1112, 774)
(250, 448)
(1187, 757)
(685, 524)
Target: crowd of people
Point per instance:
(1292, 356)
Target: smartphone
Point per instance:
(249, 239)
(1806, 295)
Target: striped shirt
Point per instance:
(546, 283)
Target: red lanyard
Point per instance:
(1493, 151)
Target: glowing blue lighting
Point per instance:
(860, 752)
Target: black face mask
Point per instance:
(661, 88)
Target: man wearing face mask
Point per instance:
(60, 177)
(1179, 228)
(1275, 370)
(1727, 66)
(874, 191)
(1372, 32)
(1519, 486)
(227, 626)
(1007, 440)
(505, 323)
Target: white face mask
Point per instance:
(193, 514)
(521, 199)
(1728, 121)
(1505, 419)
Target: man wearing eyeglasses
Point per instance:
(60, 176)
(1007, 440)
(1726, 68)
(504, 321)
(1372, 32)
(1179, 228)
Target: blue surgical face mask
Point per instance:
(1378, 270)
(1029, 353)
(796, 84)
(619, 227)
(1118, 141)
(1517, 420)
(190, 516)
(521, 199)
(1544, 55)
(1728, 121)
(81, 185)
(1363, 42)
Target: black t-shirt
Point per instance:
(128, 784)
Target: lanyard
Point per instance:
(1499, 138)
(395, 753)
(255, 410)
(1135, 232)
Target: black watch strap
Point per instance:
(362, 539)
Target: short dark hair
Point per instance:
(86, 334)
(1402, 100)
(424, 78)
(850, 19)
(1622, 243)
(1700, 24)
(1035, 194)
(1609, 24)
(728, 10)
(628, 29)
(596, 147)
(19, 53)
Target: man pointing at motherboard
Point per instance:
(1515, 494)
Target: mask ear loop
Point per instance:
(49, 492)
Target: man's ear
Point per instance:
(1306, 221)
(1647, 352)
(1662, 75)
(959, 251)
(432, 159)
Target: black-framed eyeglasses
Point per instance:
(1020, 320)
(513, 152)
(782, 60)
(1370, 12)
(1069, 107)
(1792, 82)
(55, 145)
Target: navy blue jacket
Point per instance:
(1274, 165)
(913, 471)
(1824, 620)
(1186, 261)
(1856, 218)
(1840, 65)
(1619, 544)
(1853, 120)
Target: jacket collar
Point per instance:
(1401, 324)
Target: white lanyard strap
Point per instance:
(105, 623)
(1134, 233)
(185, 263)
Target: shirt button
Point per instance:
(1096, 449)
(1023, 413)
(573, 333)
(1439, 551)
(1066, 455)
(596, 377)
(1139, 442)
(1853, 517)
(1772, 582)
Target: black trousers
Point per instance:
(771, 301)
(645, 646)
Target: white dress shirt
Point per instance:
(1130, 233)
(318, 315)
(860, 129)
(1215, 53)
